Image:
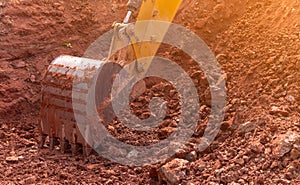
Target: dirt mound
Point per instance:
(210, 18)
(256, 43)
(33, 33)
(260, 54)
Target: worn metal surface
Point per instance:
(60, 99)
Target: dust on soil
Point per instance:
(257, 44)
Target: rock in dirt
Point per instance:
(165, 132)
(285, 143)
(30, 180)
(92, 166)
(173, 172)
(297, 124)
(33, 78)
(12, 159)
(192, 156)
(240, 161)
(295, 152)
(256, 147)
(246, 127)
(200, 165)
(225, 125)
(278, 111)
(19, 64)
(291, 99)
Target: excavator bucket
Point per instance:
(57, 110)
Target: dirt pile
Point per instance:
(256, 43)
(260, 54)
(33, 33)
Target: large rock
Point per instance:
(285, 143)
(173, 172)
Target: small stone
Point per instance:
(265, 166)
(12, 159)
(181, 153)
(61, 8)
(264, 139)
(4, 127)
(19, 64)
(32, 78)
(246, 127)
(257, 147)
(201, 165)
(174, 171)
(63, 176)
(217, 165)
(284, 181)
(278, 112)
(21, 157)
(240, 161)
(225, 125)
(295, 154)
(138, 170)
(288, 175)
(30, 180)
(241, 181)
(297, 124)
(192, 156)
(165, 132)
(246, 158)
(32, 151)
(284, 143)
(260, 180)
(114, 7)
(108, 173)
(291, 99)
(274, 164)
(273, 127)
(92, 166)
(268, 151)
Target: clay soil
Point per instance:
(257, 44)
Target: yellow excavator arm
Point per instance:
(149, 10)
(158, 10)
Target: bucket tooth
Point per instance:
(63, 146)
(63, 141)
(74, 146)
(42, 140)
(53, 142)
(87, 150)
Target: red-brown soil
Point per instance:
(257, 44)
